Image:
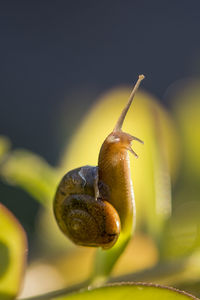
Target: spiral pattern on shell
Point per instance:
(85, 220)
(88, 222)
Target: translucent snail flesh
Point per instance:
(90, 204)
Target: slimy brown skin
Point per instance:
(114, 172)
(114, 167)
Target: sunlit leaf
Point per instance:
(150, 173)
(130, 291)
(13, 250)
(32, 173)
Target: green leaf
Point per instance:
(186, 106)
(139, 291)
(32, 173)
(13, 250)
(182, 235)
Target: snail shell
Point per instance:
(86, 219)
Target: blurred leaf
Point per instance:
(4, 146)
(182, 233)
(32, 173)
(106, 259)
(130, 291)
(13, 249)
(40, 278)
(141, 253)
(186, 107)
(150, 173)
(55, 242)
(188, 277)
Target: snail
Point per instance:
(93, 204)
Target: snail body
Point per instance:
(93, 204)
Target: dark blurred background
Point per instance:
(56, 57)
